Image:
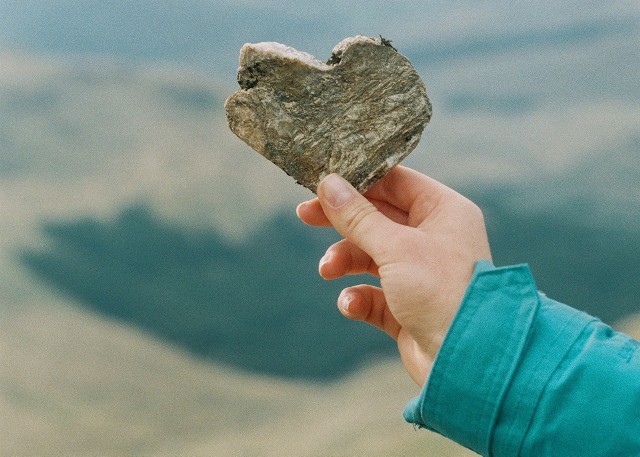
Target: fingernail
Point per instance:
(345, 302)
(336, 190)
(325, 258)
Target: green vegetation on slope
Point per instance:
(261, 306)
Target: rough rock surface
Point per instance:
(357, 115)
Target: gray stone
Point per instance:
(357, 115)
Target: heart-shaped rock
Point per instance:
(357, 115)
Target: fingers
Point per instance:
(404, 188)
(311, 212)
(356, 218)
(345, 258)
(394, 195)
(367, 303)
(393, 213)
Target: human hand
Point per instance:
(420, 238)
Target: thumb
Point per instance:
(355, 217)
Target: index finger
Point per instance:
(311, 212)
(403, 188)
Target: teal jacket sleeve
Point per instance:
(520, 374)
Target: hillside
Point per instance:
(259, 305)
(161, 218)
(75, 384)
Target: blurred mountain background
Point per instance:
(158, 295)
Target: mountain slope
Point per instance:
(258, 305)
(74, 384)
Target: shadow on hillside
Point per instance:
(261, 305)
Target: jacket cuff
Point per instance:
(479, 358)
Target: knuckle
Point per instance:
(472, 209)
(475, 210)
(479, 214)
(359, 217)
